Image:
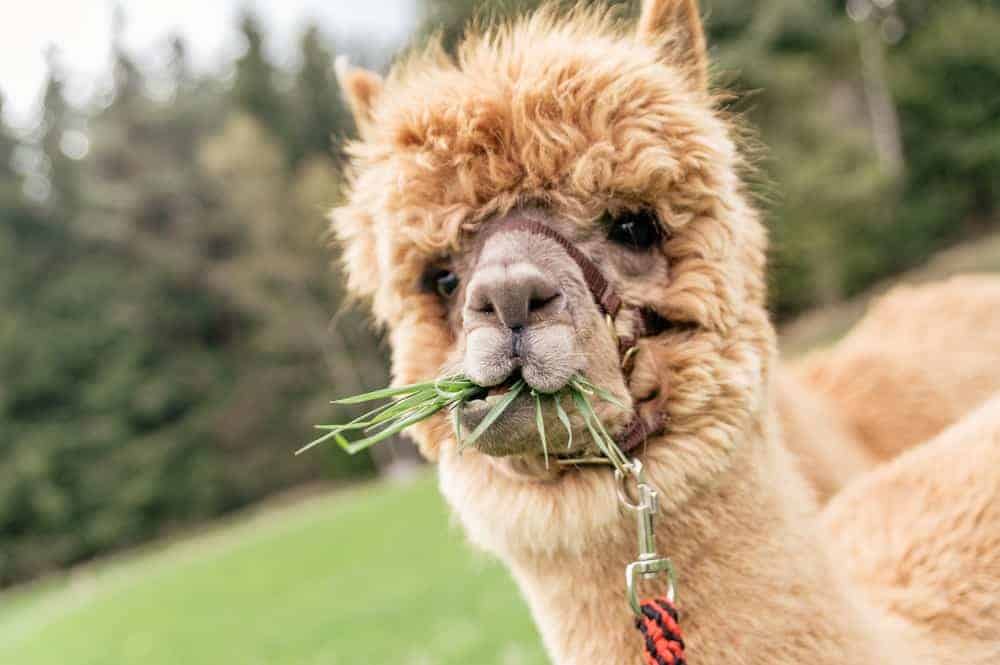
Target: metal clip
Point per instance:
(649, 564)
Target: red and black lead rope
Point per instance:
(660, 628)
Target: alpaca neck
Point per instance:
(753, 579)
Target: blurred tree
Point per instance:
(946, 76)
(10, 181)
(179, 65)
(163, 354)
(320, 112)
(796, 70)
(128, 81)
(281, 277)
(448, 19)
(57, 118)
(255, 90)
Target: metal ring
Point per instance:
(648, 568)
(636, 471)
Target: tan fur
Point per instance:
(361, 90)
(922, 358)
(675, 27)
(921, 537)
(825, 451)
(573, 116)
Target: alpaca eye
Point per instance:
(635, 230)
(445, 283)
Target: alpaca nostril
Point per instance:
(515, 294)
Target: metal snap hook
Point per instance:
(649, 568)
(649, 564)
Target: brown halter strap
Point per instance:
(599, 286)
(646, 321)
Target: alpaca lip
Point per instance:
(502, 388)
(516, 433)
(512, 433)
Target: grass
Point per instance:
(371, 576)
(408, 405)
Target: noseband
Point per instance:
(645, 322)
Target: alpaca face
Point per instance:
(520, 308)
(607, 137)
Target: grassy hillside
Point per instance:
(376, 575)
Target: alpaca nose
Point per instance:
(518, 294)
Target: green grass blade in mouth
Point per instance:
(385, 393)
(454, 388)
(494, 413)
(316, 442)
(412, 404)
(409, 405)
(601, 438)
(564, 418)
(401, 407)
(395, 427)
(388, 411)
(586, 386)
(540, 423)
(456, 423)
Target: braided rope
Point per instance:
(664, 644)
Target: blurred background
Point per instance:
(171, 327)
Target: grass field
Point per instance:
(367, 576)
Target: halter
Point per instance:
(645, 321)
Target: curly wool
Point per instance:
(515, 120)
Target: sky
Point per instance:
(81, 29)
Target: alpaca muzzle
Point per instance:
(517, 316)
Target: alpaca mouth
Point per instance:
(512, 433)
(529, 416)
(515, 431)
(507, 384)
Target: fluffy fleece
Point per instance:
(578, 114)
(920, 537)
(921, 359)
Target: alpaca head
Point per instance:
(606, 133)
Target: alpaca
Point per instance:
(935, 350)
(473, 182)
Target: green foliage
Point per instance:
(321, 114)
(947, 81)
(10, 180)
(56, 117)
(167, 340)
(255, 88)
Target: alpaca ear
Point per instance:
(675, 27)
(361, 88)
